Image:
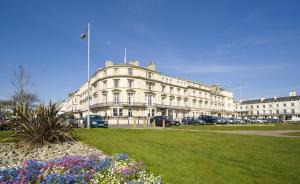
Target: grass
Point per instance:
(204, 157)
(4, 134)
(293, 133)
(277, 126)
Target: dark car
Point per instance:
(273, 120)
(169, 121)
(192, 121)
(96, 121)
(209, 119)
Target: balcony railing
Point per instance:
(136, 104)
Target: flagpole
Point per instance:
(88, 119)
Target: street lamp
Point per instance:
(83, 36)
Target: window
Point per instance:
(270, 111)
(171, 90)
(130, 83)
(149, 85)
(185, 92)
(148, 74)
(105, 98)
(149, 99)
(120, 112)
(264, 106)
(104, 84)
(104, 73)
(270, 105)
(292, 104)
(185, 103)
(116, 83)
(130, 98)
(284, 105)
(293, 111)
(115, 111)
(277, 111)
(153, 112)
(116, 98)
(129, 71)
(277, 105)
(163, 89)
(129, 112)
(257, 106)
(284, 111)
(116, 71)
(257, 112)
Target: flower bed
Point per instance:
(93, 168)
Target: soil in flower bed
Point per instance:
(93, 168)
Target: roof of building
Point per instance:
(268, 100)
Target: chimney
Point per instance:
(151, 66)
(108, 63)
(134, 62)
(293, 93)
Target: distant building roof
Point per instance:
(268, 100)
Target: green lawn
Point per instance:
(204, 157)
(278, 126)
(293, 133)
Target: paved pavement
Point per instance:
(274, 133)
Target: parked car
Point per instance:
(258, 120)
(273, 120)
(222, 120)
(96, 121)
(236, 121)
(209, 119)
(193, 121)
(169, 121)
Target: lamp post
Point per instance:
(83, 36)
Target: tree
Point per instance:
(22, 81)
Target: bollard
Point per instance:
(144, 123)
(134, 123)
(164, 124)
(153, 123)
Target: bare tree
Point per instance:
(21, 82)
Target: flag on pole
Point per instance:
(83, 35)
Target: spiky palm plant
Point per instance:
(40, 125)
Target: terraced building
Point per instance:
(127, 90)
(283, 108)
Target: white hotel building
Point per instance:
(119, 91)
(284, 108)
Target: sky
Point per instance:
(250, 47)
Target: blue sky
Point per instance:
(252, 44)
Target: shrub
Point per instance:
(40, 125)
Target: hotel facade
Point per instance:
(283, 108)
(122, 91)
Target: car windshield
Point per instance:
(96, 117)
(169, 117)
